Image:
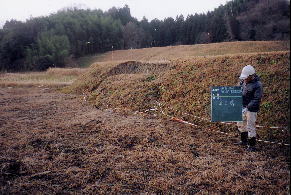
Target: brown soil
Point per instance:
(57, 143)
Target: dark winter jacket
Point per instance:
(252, 94)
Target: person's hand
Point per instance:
(244, 110)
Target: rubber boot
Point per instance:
(243, 138)
(252, 145)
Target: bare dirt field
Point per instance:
(52, 143)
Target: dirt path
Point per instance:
(56, 143)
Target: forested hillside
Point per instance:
(53, 41)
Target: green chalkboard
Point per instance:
(226, 104)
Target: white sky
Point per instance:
(24, 9)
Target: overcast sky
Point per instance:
(24, 9)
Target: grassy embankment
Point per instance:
(180, 77)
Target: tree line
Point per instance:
(43, 42)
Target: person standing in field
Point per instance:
(252, 92)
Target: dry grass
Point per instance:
(188, 51)
(66, 71)
(183, 86)
(52, 77)
(65, 146)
